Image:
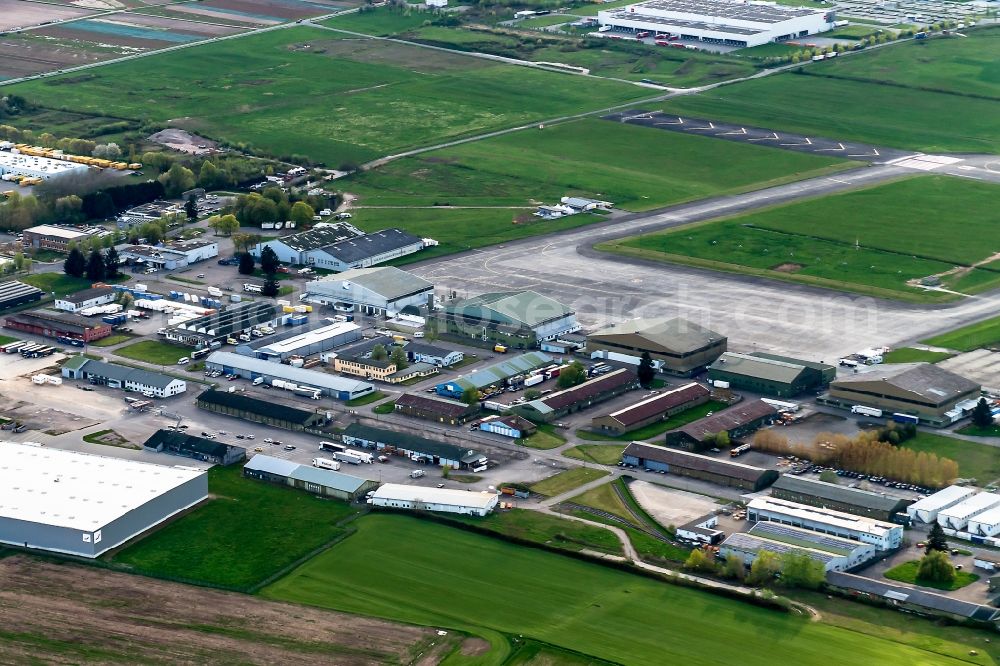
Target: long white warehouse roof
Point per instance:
(405, 493)
(830, 517)
(972, 506)
(941, 499)
(989, 517)
(310, 338)
(301, 376)
(75, 490)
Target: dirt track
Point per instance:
(65, 613)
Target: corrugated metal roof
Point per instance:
(694, 461)
(301, 376)
(328, 478)
(586, 390)
(729, 419)
(929, 600)
(503, 370)
(835, 493)
(761, 368)
(659, 404)
(926, 380)
(519, 307)
(386, 281)
(408, 493)
(676, 334)
(271, 465)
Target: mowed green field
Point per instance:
(636, 168)
(981, 334)
(410, 570)
(933, 95)
(865, 240)
(305, 91)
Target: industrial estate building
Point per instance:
(882, 535)
(769, 374)
(190, 446)
(835, 553)
(652, 409)
(840, 498)
(218, 326)
(589, 393)
(443, 357)
(86, 298)
(57, 326)
(935, 395)
(153, 384)
(926, 510)
(957, 516)
(418, 449)
(419, 498)
(247, 367)
(325, 482)
(986, 524)
(32, 166)
(381, 291)
(436, 408)
(494, 375)
(911, 599)
(58, 236)
(16, 293)
(677, 346)
(729, 22)
(171, 255)
(84, 504)
(515, 319)
(509, 425)
(341, 247)
(267, 412)
(714, 470)
(737, 421)
(301, 343)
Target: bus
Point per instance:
(330, 446)
(198, 353)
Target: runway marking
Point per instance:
(711, 126)
(927, 162)
(820, 150)
(807, 143)
(874, 153)
(774, 137)
(743, 130)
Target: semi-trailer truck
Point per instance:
(866, 411)
(326, 463)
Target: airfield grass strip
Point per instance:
(896, 84)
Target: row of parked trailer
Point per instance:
(27, 349)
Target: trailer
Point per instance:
(899, 417)
(866, 411)
(332, 446)
(326, 463)
(347, 457)
(14, 347)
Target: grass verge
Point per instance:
(566, 481)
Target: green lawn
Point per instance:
(976, 431)
(655, 429)
(550, 530)
(154, 351)
(115, 339)
(382, 22)
(605, 499)
(430, 574)
(981, 334)
(566, 481)
(249, 531)
(602, 454)
(637, 168)
(365, 399)
(893, 96)
(546, 437)
(977, 461)
(60, 283)
(829, 241)
(5, 339)
(303, 91)
(907, 573)
(912, 355)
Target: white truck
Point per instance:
(354, 457)
(326, 463)
(417, 473)
(214, 291)
(866, 411)
(258, 381)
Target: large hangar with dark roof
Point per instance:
(680, 347)
(840, 498)
(705, 468)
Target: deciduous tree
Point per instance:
(936, 567)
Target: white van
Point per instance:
(184, 360)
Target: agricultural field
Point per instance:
(890, 96)
(302, 91)
(214, 544)
(589, 608)
(830, 241)
(546, 529)
(637, 168)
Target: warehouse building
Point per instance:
(714, 470)
(267, 412)
(957, 517)
(737, 421)
(352, 249)
(301, 248)
(884, 536)
(378, 292)
(436, 408)
(297, 343)
(840, 498)
(442, 357)
(152, 384)
(926, 510)
(323, 482)
(99, 502)
(57, 237)
(86, 298)
(729, 22)
(514, 319)
(835, 553)
(171, 255)
(416, 448)
(231, 322)
(510, 425)
(589, 393)
(340, 388)
(924, 390)
(445, 500)
(16, 293)
(986, 524)
(494, 375)
(677, 346)
(651, 410)
(701, 530)
(911, 599)
(54, 325)
(178, 443)
(769, 374)
(33, 166)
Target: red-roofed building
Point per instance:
(652, 409)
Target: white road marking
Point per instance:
(774, 137)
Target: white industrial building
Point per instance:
(309, 343)
(957, 517)
(381, 291)
(986, 524)
(730, 22)
(882, 535)
(84, 504)
(419, 498)
(927, 509)
(341, 388)
(37, 167)
(87, 298)
(835, 553)
(341, 247)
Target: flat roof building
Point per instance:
(235, 319)
(652, 409)
(381, 291)
(911, 599)
(34, 166)
(268, 412)
(324, 482)
(515, 319)
(714, 470)
(16, 293)
(677, 346)
(443, 357)
(419, 498)
(84, 504)
(841, 498)
(436, 408)
(882, 535)
(591, 392)
(86, 298)
(926, 510)
(835, 553)
(768, 374)
(57, 325)
(191, 446)
(957, 517)
(298, 343)
(58, 236)
(341, 388)
(737, 421)
(418, 449)
(494, 375)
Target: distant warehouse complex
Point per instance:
(729, 22)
